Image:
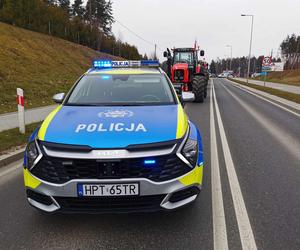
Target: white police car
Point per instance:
(119, 141)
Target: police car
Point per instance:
(119, 141)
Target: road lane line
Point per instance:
(245, 230)
(289, 142)
(263, 98)
(219, 223)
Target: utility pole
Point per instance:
(155, 51)
(49, 27)
(249, 59)
(230, 46)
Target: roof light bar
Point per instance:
(150, 63)
(102, 64)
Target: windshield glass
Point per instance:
(184, 57)
(113, 90)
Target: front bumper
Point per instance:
(167, 195)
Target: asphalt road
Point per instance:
(250, 196)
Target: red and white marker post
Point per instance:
(21, 112)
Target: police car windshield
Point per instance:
(120, 89)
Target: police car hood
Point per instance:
(113, 127)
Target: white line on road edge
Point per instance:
(250, 92)
(246, 234)
(287, 140)
(219, 223)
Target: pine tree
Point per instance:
(8, 11)
(50, 2)
(65, 5)
(99, 13)
(1, 4)
(213, 67)
(77, 9)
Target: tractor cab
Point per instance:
(184, 68)
(186, 56)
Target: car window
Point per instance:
(101, 89)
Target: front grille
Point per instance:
(60, 170)
(179, 75)
(110, 204)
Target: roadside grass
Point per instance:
(289, 77)
(40, 64)
(13, 138)
(286, 95)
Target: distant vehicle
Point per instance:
(255, 75)
(184, 68)
(226, 74)
(119, 141)
(222, 75)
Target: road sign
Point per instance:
(278, 66)
(267, 61)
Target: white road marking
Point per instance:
(276, 104)
(245, 230)
(219, 223)
(289, 142)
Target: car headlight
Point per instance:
(190, 151)
(32, 153)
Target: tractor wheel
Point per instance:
(198, 85)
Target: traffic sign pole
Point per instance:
(266, 64)
(21, 112)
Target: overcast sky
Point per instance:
(215, 23)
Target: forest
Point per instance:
(87, 24)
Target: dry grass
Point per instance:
(42, 65)
(290, 77)
(276, 92)
(12, 138)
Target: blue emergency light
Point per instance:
(153, 63)
(149, 162)
(102, 64)
(105, 77)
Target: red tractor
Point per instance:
(185, 69)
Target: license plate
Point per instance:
(124, 189)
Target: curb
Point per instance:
(11, 157)
(276, 98)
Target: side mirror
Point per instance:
(58, 98)
(165, 54)
(201, 52)
(187, 97)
